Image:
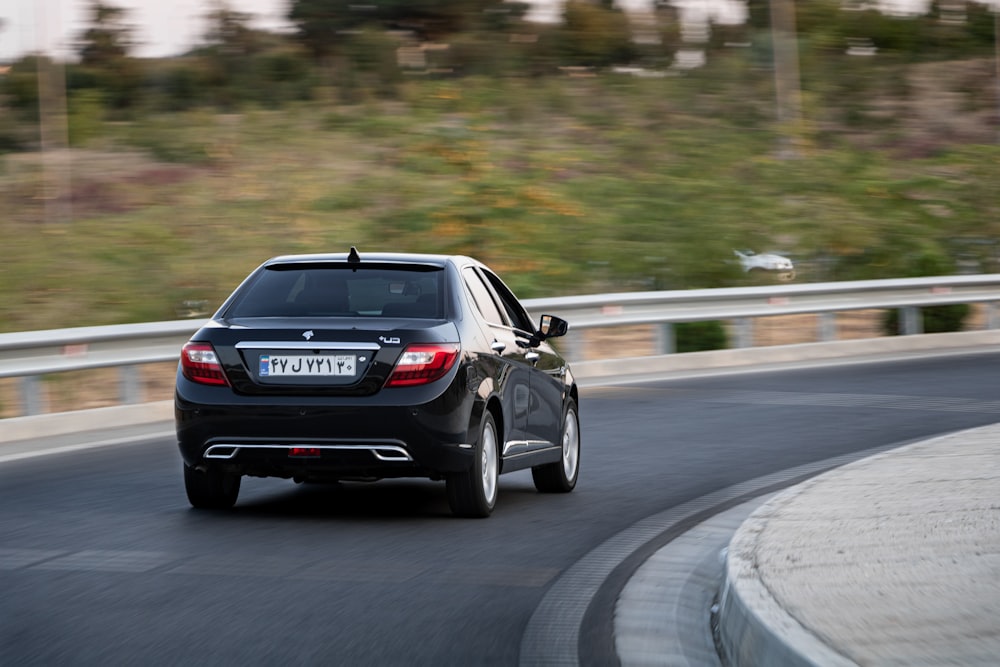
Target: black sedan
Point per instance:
(363, 367)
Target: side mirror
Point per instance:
(551, 326)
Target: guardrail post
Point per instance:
(571, 346)
(744, 331)
(129, 386)
(910, 321)
(666, 339)
(827, 327)
(992, 316)
(31, 398)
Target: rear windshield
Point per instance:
(342, 291)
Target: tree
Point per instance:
(323, 24)
(594, 36)
(105, 62)
(435, 19)
(320, 23)
(229, 30)
(108, 39)
(20, 85)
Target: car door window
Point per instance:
(515, 311)
(513, 372)
(488, 308)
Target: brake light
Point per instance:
(423, 363)
(199, 363)
(304, 452)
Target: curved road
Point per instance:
(103, 562)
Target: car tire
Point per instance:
(473, 493)
(560, 476)
(211, 489)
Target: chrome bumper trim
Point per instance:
(384, 452)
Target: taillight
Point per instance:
(422, 363)
(304, 452)
(199, 363)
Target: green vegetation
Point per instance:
(186, 173)
(934, 319)
(699, 336)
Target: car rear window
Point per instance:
(341, 290)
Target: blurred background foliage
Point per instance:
(572, 157)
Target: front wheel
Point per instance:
(473, 493)
(211, 489)
(560, 477)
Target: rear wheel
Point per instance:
(211, 489)
(560, 476)
(473, 493)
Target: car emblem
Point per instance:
(389, 341)
(308, 334)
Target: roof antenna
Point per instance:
(353, 257)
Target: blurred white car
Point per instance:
(767, 261)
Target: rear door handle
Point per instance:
(532, 357)
(498, 347)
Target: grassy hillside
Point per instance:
(565, 185)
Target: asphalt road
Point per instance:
(103, 562)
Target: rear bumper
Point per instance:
(323, 439)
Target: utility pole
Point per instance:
(996, 57)
(787, 82)
(53, 124)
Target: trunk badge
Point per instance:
(308, 334)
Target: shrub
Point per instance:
(13, 135)
(698, 336)
(86, 111)
(594, 36)
(183, 86)
(936, 319)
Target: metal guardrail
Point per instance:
(741, 305)
(30, 355)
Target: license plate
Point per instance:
(307, 365)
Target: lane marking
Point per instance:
(65, 449)
(102, 560)
(268, 566)
(819, 400)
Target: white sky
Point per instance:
(169, 27)
(162, 27)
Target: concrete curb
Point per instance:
(65, 423)
(798, 588)
(848, 350)
(754, 629)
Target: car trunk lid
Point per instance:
(320, 356)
